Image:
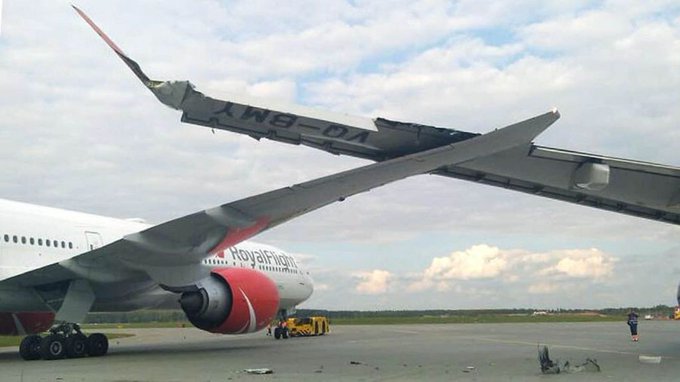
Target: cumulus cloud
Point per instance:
(542, 270)
(591, 263)
(479, 261)
(376, 281)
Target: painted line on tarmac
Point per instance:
(403, 331)
(572, 347)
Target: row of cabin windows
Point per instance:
(276, 269)
(39, 241)
(260, 267)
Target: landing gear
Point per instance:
(76, 346)
(64, 341)
(30, 347)
(53, 346)
(281, 330)
(97, 345)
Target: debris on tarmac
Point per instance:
(649, 359)
(549, 366)
(262, 370)
(469, 369)
(355, 363)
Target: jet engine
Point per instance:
(232, 301)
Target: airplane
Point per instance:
(74, 263)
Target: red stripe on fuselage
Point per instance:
(237, 235)
(32, 322)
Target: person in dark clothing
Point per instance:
(633, 323)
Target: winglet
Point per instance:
(127, 60)
(170, 93)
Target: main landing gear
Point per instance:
(63, 341)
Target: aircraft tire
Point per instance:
(53, 347)
(277, 333)
(29, 349)
(97, 345)
(284, 334)
(76, 346)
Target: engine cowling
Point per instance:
(232, 301)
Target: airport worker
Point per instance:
(633, 323)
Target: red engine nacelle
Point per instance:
(232, 301)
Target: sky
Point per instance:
(78, 131)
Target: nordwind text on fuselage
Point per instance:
(260, 256)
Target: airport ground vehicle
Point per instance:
(308, 326)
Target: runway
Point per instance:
(462, 352)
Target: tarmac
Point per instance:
(446, 352)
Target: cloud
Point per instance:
(542, 287)
(542, 271)
(376, 281)
(591, 263)
(479, 261)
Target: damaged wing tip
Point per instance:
(80, 11)
(555, 111)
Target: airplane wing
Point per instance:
(189, 239)
(625, 186)
(635, 188)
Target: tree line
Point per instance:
(178, 315)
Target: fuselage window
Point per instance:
(15, 239)
(47, 242)
(7, 238)
(39, 241)
(31, 240)
(23, 240)
(63, 244)
(70, 245)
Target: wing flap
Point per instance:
(634, 188)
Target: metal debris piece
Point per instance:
(262, 370)
(649, 359)
(355, 363)
(549, 366)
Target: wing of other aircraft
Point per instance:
(167, 252)
(631, 187)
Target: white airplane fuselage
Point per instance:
(33, 236)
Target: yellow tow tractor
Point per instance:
(676, 313)
(308, 326)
